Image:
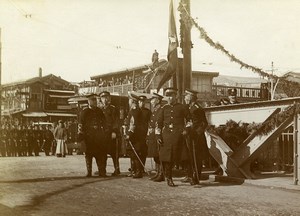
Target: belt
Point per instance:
(95, 127)
(170, 126)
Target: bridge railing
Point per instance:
(242, 92)
(121, 90)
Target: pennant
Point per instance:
(172, 49)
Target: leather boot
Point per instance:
(88, 161)
(161, 176)
(157, 172)
(101, 163)
(138, 174)
(139, 170)
(170, 182)
(168, 173)
(116, 172)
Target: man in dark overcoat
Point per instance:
(92, 127)
(3, 141)
(171, 127)
(145, 118)
(196, 139)
(136, 143)
(113, 135)
(153, 148)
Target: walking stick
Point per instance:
(195, 161)
(136, 154)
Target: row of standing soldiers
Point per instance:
(170, 134)
(24, 140)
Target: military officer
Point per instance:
(112, 119)
(146, 114)
(14, 141)
(48, 140)
(136, 143)
(197, 144)
(171, 126)
(3, 141)
(92, 127)
(153, 147)
(20, 140)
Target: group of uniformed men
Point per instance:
(24, 140)
(170, 133)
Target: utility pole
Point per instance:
(272, 84)
(272, 87)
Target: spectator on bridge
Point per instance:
(117, 82)
(231, 99)
(101, 83)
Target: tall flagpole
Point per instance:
(187, 45)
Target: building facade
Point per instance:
(39, 99)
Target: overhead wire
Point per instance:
(84, 37)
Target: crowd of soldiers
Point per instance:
(171, 133)
(19, 140)
(24, 140)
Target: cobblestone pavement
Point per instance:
(57, 186)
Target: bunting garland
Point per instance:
(218, 46)
(234, 133)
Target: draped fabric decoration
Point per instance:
(172, 49)
(218, 46)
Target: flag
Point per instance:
(172, 49)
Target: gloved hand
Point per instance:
(159, 142)
(129, 135)
(184, 132)
(113, 135)
(126, 137)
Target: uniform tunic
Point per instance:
(134, 120)
(93, 128)
(171, 120)
(197, 134)
(112, 120)
(151, 138)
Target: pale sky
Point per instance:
(77, 39)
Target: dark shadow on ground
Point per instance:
(97, 178)
(38, 200)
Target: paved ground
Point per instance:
(56, 186)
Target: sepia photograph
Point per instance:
(139, 107)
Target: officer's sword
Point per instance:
(195, 161)
(194, 169)
(136, 154)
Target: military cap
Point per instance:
(169, 91)
(190, 92)
(91, 96)
(232, 92)
(155, 95)
(142, 98)
(104, 93)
